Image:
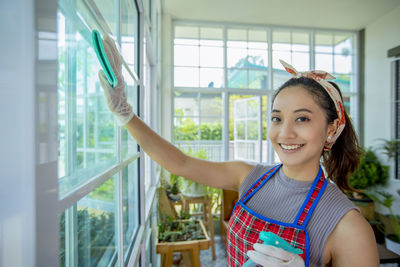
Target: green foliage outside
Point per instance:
(94, 237)
(386, 199)
(371, 171)
(186, 129)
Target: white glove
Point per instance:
(271, 256)
(115, 97)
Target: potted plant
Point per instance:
(172, 188)
(371, 172)
(191, 188)
(390, 148)
(391, 221)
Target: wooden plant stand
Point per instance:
(191, 247)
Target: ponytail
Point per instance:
(344, 157)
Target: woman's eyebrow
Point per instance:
(297, 110)
(303, 110)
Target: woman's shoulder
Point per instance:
(360, 249)
(256, 172)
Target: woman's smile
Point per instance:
(290, 148)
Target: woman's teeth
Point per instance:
(290, 147)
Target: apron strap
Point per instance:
(259, 183)
(311, 201)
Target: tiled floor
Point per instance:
(206, 256)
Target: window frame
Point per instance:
(268, 92)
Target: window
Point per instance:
(233, 71)
(198, 57)
(247, 58)
(100, 178)
(198, 124)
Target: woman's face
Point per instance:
(298, 127)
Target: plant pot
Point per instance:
(392, 245)
(366, 206)
(192, 189)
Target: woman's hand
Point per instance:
(115, 97)
(271, 256)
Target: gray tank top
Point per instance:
(281, 199)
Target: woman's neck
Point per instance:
(302, 173)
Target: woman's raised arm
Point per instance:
(227, 175)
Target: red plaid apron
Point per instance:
(245, 224)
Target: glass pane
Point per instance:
(211, 56)
(343, 44)
(281, 41)
(236, 57)
(109, 11)
(186, 128)
(129, 145)
(237, 78)
(258, 45)
(252, 130)
(324, 62)
(301, 61)
(186, 76)
(211, 128)
(343, 81)
(211, 33)
(186, 32)
(211, 77)
(87, 229)
(257, 58)
(240, 109)
(257, 36)
(130, 204)
(129, 34)
(210, 105)
(244, 128)
(258, 79)
(185, 55)
(280, 77)
(300, 41)
(264, 122)
(285, 56)
(342, 63)
(86, 127)
(279, 73)
(240, 131)
(238, 44)
(323, 43)
(347, 104)
(186, 104)
(237, 35)
(186, 41)
(252, 108)
(204, 42)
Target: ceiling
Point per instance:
(338, 14)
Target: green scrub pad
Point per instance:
(97, 43)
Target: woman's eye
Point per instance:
(275, 119)
(301, 119)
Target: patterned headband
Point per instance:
(321, 77)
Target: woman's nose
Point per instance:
(287, 130)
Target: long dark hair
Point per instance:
(344, 157)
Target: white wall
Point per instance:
(380, 36)
(28, 135)
(17, 184)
